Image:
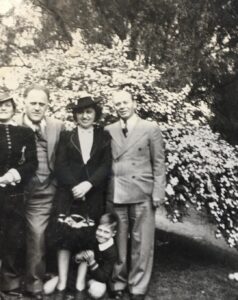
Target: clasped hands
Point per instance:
(7, 179)
(81, 189)
(86, 255)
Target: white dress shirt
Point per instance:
(35, 127)
(86, 142)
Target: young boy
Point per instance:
(94, 266)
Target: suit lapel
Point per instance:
(132, 138)
(50, 131)
(117, 135)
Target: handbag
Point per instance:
(75, 221)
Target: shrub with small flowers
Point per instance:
(202, 168)
(202, 171)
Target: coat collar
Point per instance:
(106, 245)
(96, 141)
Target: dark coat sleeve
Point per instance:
(63, 170)
(28, 162)
(104, 268)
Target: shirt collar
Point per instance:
(130, 122)
(85, 130)
(106, 245)
(33, 126)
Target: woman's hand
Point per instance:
(12, 177)
(6, 179)
(80, 224)
(80, 190)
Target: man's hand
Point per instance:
(80, 190)
(156, 203)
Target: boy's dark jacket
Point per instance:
(105, 260)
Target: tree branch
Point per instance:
(48, 5)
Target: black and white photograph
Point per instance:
(119, 149)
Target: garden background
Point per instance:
(178, 57)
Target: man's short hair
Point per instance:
(38, 88)
(110, 219)
(123, 90)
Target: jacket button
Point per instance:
(133, 176)
(139, 149)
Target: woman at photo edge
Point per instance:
(18, 162)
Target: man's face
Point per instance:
(123, 104)
(36, 104)
(103, 233)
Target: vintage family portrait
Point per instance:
(118, 149)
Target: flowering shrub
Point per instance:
(201, 168)
(202, 171)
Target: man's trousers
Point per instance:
(135, 242)
(37, 213)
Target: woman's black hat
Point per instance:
(81, 103)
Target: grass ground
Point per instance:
(185, 270)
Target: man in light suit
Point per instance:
(136, 188)
(41, 188)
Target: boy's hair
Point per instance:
(110, 219)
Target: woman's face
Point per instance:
(6, 111)
(86, 117)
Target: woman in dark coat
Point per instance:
(18, 162)
(83, 166)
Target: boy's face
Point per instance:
(103, 233)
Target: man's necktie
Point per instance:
(125, 130)
(38, 132)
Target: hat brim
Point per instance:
(6, 97)
(82, 103)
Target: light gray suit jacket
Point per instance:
(53, 129)
(138, 171)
